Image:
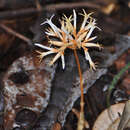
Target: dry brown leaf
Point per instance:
(104, 120)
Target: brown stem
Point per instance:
(81, 117)
(86, 125)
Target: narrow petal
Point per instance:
(75, 18)
(43, 54)
(50, 34)
(87, 56)
(48, 53)
(56, 29)
(89, 33)
(81, 37)
(67, 34)
(91, 45)
(69, 27)
(55, 58)
(53, 26)
(92, 38)
(43, 47)
(86, 16)
(63, 61)
(57, 43)
(91, 24)
(47, 20)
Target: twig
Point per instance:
(16, 13)
(72, 5)
(20, 36)
(52, 7)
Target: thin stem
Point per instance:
(81, 118)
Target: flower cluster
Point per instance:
(69, 37)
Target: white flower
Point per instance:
(69, 37)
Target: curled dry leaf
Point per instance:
(109, 119)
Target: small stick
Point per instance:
(51, 7)
(10, 31)
(72, 5)
(16, 13)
